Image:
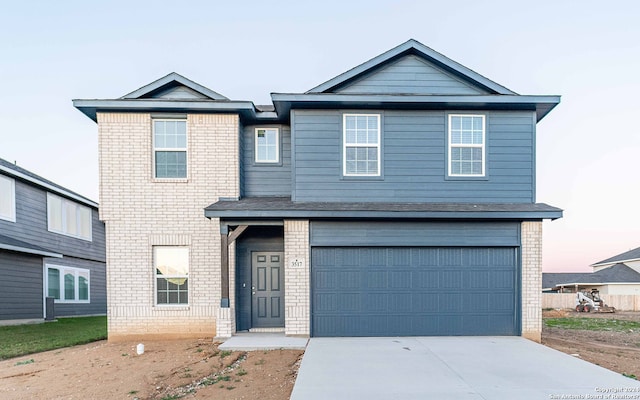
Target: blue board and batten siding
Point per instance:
(414, 159)
(410, 75)
(264, 179)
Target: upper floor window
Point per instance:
(170, 148)
(171, 265)
(267, 145)
(361, 141)
(68, 218)
(466, 145)
(7, 198)
(67, 285)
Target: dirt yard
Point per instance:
(196, 369)
(188, 369)
(617, 351)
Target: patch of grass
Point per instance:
(25, 362)
(592, 324)
(632, 376)
(225, 353)
(260, 362)
(241, 372)
(230, 387)
(124, 354)
(20, 340)
(132, 392)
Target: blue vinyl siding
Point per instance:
(261, 179)
(414, 160)
(21, 293)
(382, 233)
(410, 75)
(31, 227)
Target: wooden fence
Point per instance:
(621, 302)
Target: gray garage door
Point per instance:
(414, 291)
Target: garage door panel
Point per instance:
(413, 291)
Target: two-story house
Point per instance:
(52, 244)
(397, 198)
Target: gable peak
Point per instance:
(174, 86)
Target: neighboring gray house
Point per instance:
(619, 274)
(398, 198)
(51, 245)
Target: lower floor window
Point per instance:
(171, 265)
(68, 284)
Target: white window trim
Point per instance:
(154, 150)
(155, 280)
(11, 217)
(255, 147)
(482, 146)
(76, 272)
(345, 145)
(64, 220)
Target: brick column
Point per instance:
(297, 258)
(532, 280)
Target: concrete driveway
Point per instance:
(451, 368)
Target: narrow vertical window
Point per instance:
(170, 148)
(361, 139)
(7, 198)
(267, 145)
(171, 265)
(466, 145)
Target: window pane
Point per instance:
(54, 211)
(267, 145)
(7, 198)
(53, 282)
(172, 268)
(71, 218)
(83, 286)
(171, 164)
(350, 122)
(170, 134)
(69, 286)
(85, 223)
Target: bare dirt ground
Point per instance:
(194, 369)
(617, 351)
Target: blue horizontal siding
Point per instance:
(414, 145)
(21, 290)
(265, 179)
(410, 75)
(31, 227)
(379, 233)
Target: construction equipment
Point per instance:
(587, 302)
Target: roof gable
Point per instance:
(411, 74)
(626, 256)
(618, 273)
(174, 87)
(454, 72)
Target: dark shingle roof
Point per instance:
(618, 273)
(626, 256)
(16, 171)
(12, 244)
(279, 207)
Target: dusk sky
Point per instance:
(588, 147)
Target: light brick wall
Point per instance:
(297, 258)
(140, 212)
(531, 236)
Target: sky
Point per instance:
(588, 52)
